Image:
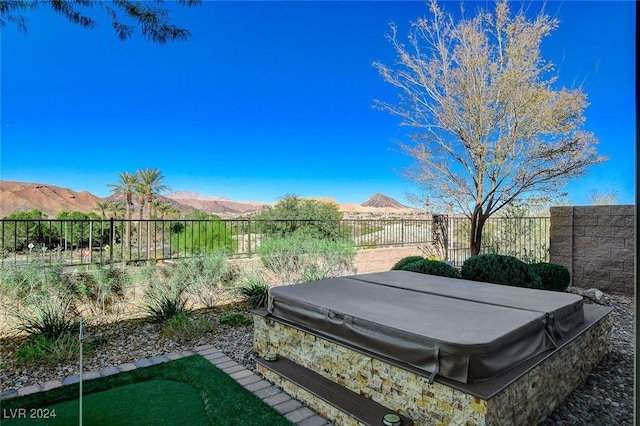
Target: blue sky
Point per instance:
(268, 98)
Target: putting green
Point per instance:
(153, 402)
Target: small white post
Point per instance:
(80, 399)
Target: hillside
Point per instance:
(215, 205)
(382, 201)
(51, 200)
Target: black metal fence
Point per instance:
(88, 241)
(526, 238)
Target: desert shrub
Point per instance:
(400, 264)
(202, 275)
(500, 269)
(297, 257)
(432, 267)
(554, 277)
(236, 319)
(19, 281)
(102, 287)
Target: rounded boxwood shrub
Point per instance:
(554, 277)
(405, 261)
(432, 267)
(500, 269)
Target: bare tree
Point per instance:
(488, 127)
(603, 198)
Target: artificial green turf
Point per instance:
(173, 403)
(189, 391)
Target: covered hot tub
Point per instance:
(435, 349)
(462, 330)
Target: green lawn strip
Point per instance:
(172, 403)
(224, 400)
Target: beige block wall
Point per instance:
(382, 259)
(596, 244)
(366, 261)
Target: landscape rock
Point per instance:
(596, 295)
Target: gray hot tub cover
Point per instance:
(463, 330)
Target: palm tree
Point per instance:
(126, 187)
(150, 184)
(116, 208)
(164, 209)
(102, 207)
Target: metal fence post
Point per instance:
(249, 235)
(112, 234)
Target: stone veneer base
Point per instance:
(522, 398)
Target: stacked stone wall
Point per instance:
(526, 401)
(597, 245)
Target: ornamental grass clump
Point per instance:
(164, 298)
(39, 299)
(500, 269)
(255, 291)
(50, 315)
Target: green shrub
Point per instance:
(236, 319)
(41, 350)
(500, 269)
(183, 327)
(204, 234)
(400, 264)
(102, 287)
(554, 277)
(432, 267)
(294, 215)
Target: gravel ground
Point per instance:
(606, 397)
(130, 341)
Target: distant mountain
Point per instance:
(50, 199)
(182, 208)
(383, 201)
(188, 195)
(214, 205)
